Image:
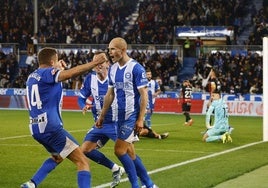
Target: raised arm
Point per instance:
(80, 69)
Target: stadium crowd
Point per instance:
(239, 74)
(96, 22)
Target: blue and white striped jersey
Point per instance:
(44, 96)
(152, 86)
(126, 81)
(96, 88)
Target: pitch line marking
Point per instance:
(187, 162)
(111, 148)
(163, 168)
(24, 136)
(71, 131)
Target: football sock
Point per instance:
(148, 123)
(142, 172)
(43, 171)
(148, 119)
(151, 134)
(130, 169)
(100, 158)
(187, 116)
(84, 179)
(115, 168)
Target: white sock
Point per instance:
(115, 168)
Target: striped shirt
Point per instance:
(126, 81)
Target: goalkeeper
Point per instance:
(219, 130)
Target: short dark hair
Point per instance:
(45, 55)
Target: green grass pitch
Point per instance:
(181, 160)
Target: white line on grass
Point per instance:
(163, 168)
(24, 136)
(111, 148)
(14, 137)
(173, 151)
(21, 145)
(187, 162)
(72, 131)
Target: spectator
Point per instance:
(228, 40)
(253, 89)
(96, 33)
(4, 82)
(156, 19)
(187, 47)
(34, 38)
(198, 47)
(31, 62)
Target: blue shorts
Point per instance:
(102, 135)
(59, 142)
(126, 129)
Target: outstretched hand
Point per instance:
(100, 58)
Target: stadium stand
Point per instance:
(139, 22)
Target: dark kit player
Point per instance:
(185, 99)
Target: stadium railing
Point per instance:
(176, 49)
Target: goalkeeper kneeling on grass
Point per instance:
(219, 130)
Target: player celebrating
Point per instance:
(128, 86)
(44, 96)
(96, 85)
(186, 97)
(219, 130)
(153, 91)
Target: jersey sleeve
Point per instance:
(110, 82)
(139, 74)
(84, 92)
(209, 113)
(157, 86)
(50, 75)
